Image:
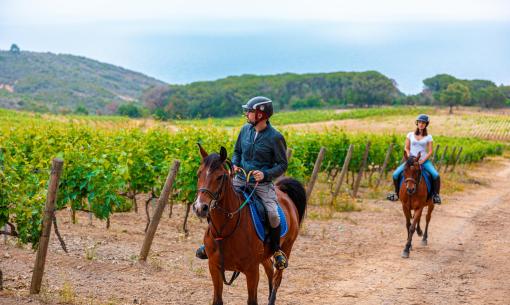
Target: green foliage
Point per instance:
(491, 97)
(131, 110)
(102, 163)
(483, 93)
(455, 94)
(81, 110)
(310, 116)
(14, 49)
(48, 82)
(288, 91)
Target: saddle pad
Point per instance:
(260, 220)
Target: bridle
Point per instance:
(219, 238)
(411, 179)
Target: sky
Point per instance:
(37, 12)
(185, 41)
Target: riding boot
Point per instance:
(280, 260)
(394, 196)
(200, 253)
(436, 185)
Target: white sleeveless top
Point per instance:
(419, 146)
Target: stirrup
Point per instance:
(392, 197)
(280, 260)
(436, 199)
(201, 254)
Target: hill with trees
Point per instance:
(48, 82)
(289, 91)
(447, 90)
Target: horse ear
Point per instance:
(203, 153)
(405, 155)
(418, 157)
(223, 154)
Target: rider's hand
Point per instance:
(236, 169)
(421, 162)
(259, 176)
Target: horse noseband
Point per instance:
(214, 196)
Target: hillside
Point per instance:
(222, 97)
(62, 83)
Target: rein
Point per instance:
(216, 196)
(413, 180)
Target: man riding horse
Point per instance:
(260, 149)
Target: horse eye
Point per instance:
(219, 178)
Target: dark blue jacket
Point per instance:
(266, 153)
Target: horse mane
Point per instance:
(411, 161)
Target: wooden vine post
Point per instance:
(163, 198)
(385, 164)
(360, 173)
(49, 210)
(315, 172)
(452, 158)
(345, 168)
(435, 153)
(440, 163)
(456, 159)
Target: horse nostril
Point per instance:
(205, 208)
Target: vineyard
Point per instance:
(105, 168)
(109, 163)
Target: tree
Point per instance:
(455, 94)
(131, 110)
(439, 82)
(491, 97)
(81, 109)
(15, 49)
(505, 90)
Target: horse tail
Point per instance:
(296, 192)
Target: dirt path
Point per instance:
(353, 258)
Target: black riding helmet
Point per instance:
(260, 103)
(423, 118)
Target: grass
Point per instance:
(67, 293)
(90, 253)
(309, 116)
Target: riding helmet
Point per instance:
(260, 103)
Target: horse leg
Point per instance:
(407, 213)
(217, 282)
(277, 280)
(277, 276)
(418, 229)
(268, 267)
(430, 208)
(252, 280)
(417, 215)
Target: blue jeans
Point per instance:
(428, 166)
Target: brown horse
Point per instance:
(414, 197)
(231, 242)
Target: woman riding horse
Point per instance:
(419, 142)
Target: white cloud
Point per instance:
(37, 12)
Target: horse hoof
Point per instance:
(420, 233)
(423, 242)
(405, 254)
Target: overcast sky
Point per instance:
(48, 12)
(181, 41)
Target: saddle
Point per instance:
(259, 215)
